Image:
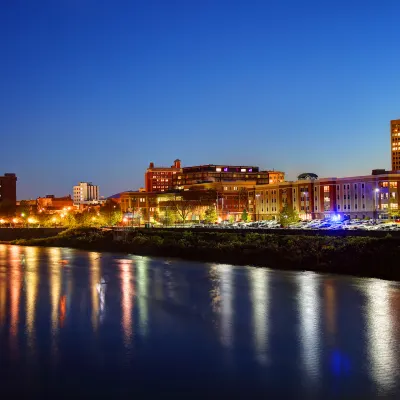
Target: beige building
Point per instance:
(395, 144)
(86, 193)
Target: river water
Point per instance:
(76, 324)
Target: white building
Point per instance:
(85, 193)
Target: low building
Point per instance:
(370, 196)
(8, 194)
(51, 204)
(224, 173)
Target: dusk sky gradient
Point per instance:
(96, 90)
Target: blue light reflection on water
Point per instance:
(71, 319)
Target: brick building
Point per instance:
(159, 179)
(220, 173)
(51, 204)
(8, 194)
(370, 196)
(395, 144)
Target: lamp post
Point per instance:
(376, 203)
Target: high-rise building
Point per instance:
(86, 192)
(159, 179)
(395, 143)
(8, 194)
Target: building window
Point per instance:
(363, 205)
(338, 207)
(344, 206)
(355, 206)
(362, 186)
(344, 197)
(337, 187)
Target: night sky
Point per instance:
(95, 90)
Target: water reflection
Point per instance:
(309, 309)
(259, 294)
(96, 294)
(380, 323)
(330, 309)
(31, 285)
(55, 286)
(3, 299)
(127, 299)
(142, 282)
(15, 288)
(226, 280)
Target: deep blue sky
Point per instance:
(95, 90)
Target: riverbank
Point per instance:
(359, 256)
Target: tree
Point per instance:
(24, 208)
(7, 208)
(168, 217)
(110, 212)
(288, 216)
(156, 216)
(245, 215)
(210, 215)
(183, 207)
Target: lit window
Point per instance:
(243, 170)
(218, 169)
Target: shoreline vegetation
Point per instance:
(357, 256)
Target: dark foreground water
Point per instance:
(77, 324)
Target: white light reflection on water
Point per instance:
(260, 298)
(55, 286)
(31, 287)
(226, 291)
(142, 283)
(94, 259)
(380, 328)
(309, 311)
(55, 266)
(127, 290)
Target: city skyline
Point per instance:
(97, 93)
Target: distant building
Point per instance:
(225, 173)
(8, 194)
(395, 144)
(159, 179)
(86, 193)
(52, 204)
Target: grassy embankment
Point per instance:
(361, 256)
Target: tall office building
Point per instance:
(86, 192)
(159, 179)
(395, 144)
(8, 194)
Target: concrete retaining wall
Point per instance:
(8, 234)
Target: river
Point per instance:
(75, 323)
